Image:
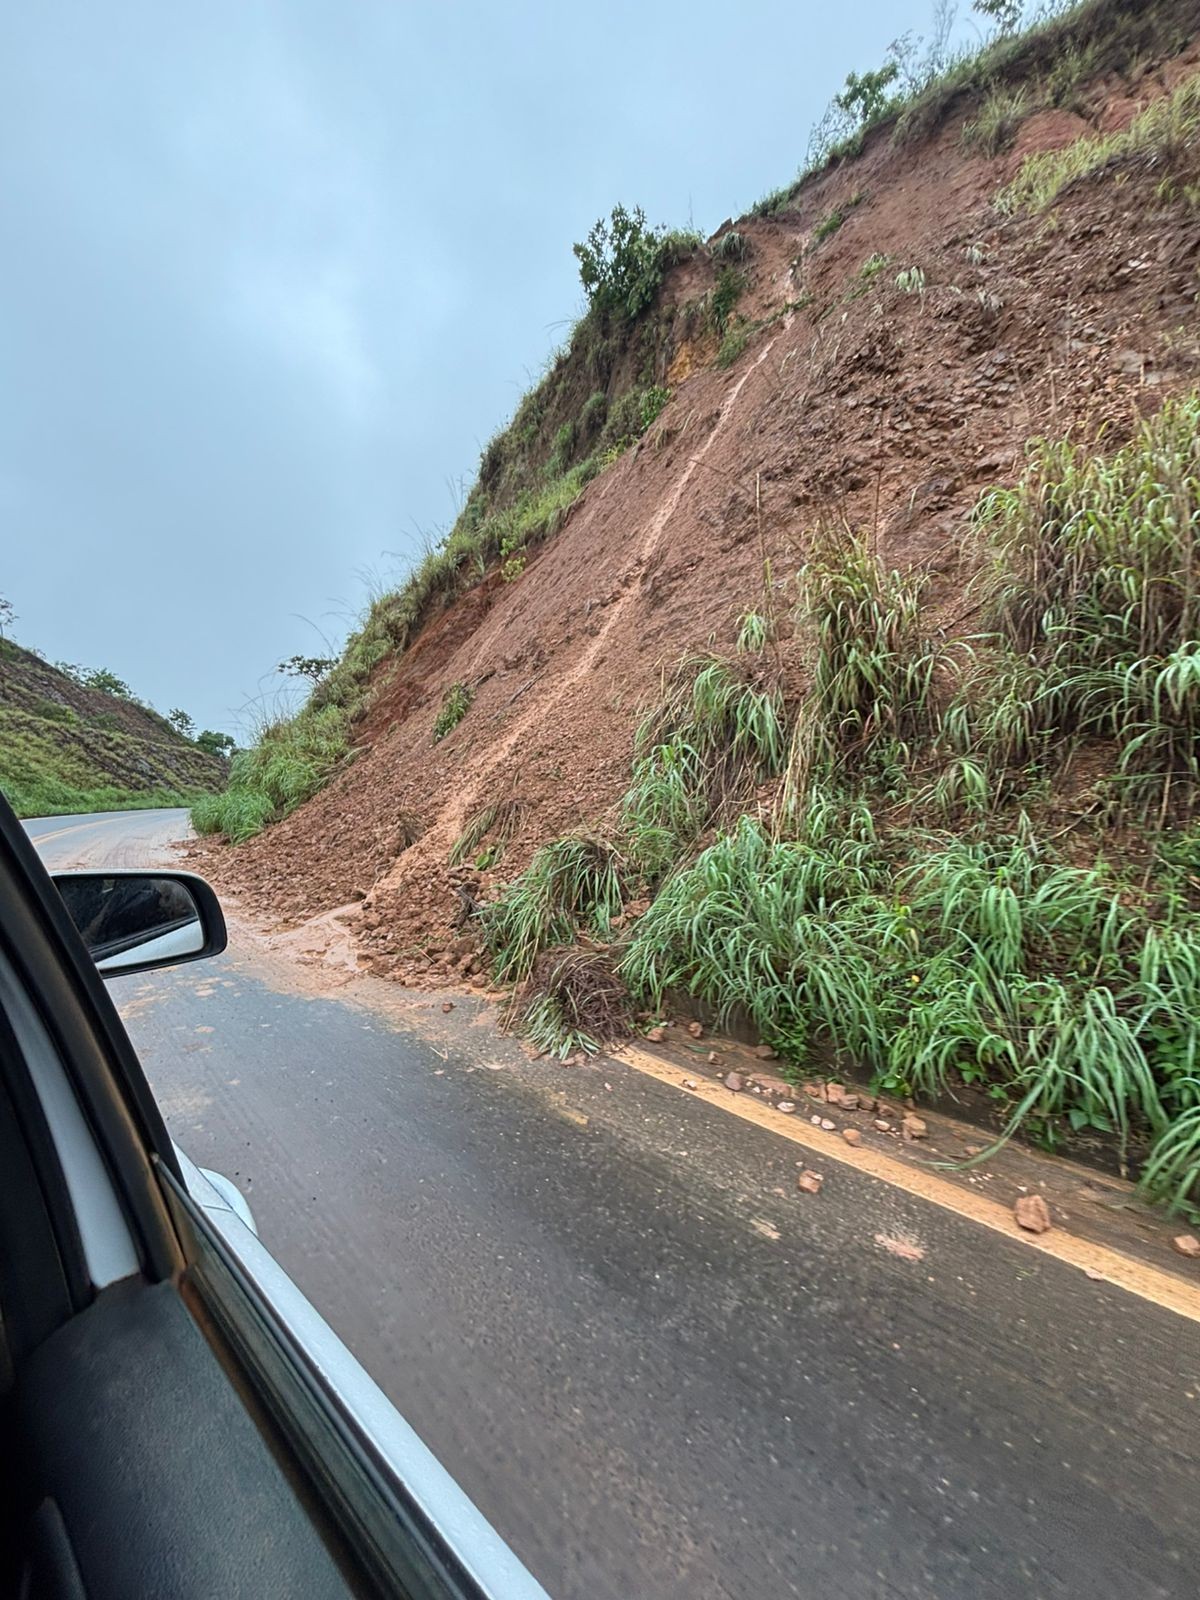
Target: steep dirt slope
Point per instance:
(64, 746)
(853, 401)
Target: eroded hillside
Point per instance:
(859, 401)
(825, 447)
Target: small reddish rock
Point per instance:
(1032, 1213)
(834, 1093)
(829, 1126)
(810, 1182)
(786, 1106)
(973, 1149)
(882, 1125)
(764, 1052)
(447, 1006)
(711, 1058)
(733, 1081)
(813, 1091)
(696, 1031)
(849, 1102)
(690, 1083)
(1187, 1244)
(851, 1135)
(656, 1035)
(913, 1127)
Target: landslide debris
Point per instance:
(819, 637)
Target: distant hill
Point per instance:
(67, 747)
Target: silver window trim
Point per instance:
(108, 1247)
(464, 1529)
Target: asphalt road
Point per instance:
(106, 838)
(660, 1371)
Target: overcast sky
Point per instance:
(272, 274)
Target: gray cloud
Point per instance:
(272, 274)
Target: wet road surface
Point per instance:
(659, 1370)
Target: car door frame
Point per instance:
(410, 1527)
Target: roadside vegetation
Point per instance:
(289, 762)
(46, 798)
(1167, 133)
(890, 874)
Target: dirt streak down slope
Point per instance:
(563, 690)
(867, 393)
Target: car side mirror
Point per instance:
(135, 921)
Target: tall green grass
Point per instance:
(291, 760)
(572, 885)
(1092, 593)
(1167, 133)
(713, 736)
(930, 963)
(49, 798)
(873, 667)
(837, 921)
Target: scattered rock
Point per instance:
(479, 981)
(447, 1006)
(882, 1125)
(851, 1135)
(1032, 1213)
(690, 1083)
(814, 1091)
(712, 1058)
(830, 1127)
(973, 1149)
(849, 1102)
(764, 1052)
(696, 1031)
(733, 1080)
(656, 1035)
(1187, 1244)
(816, 1122)
(786, 1106)
(913, 1127)
(810, 1182)
(833, 1093)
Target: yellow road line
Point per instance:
(1124, 1271)
(37, 840)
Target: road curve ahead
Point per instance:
(107, 838)
(662, 1372)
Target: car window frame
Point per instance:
(93, 1052)
(391, 1501)
(401, 1516)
